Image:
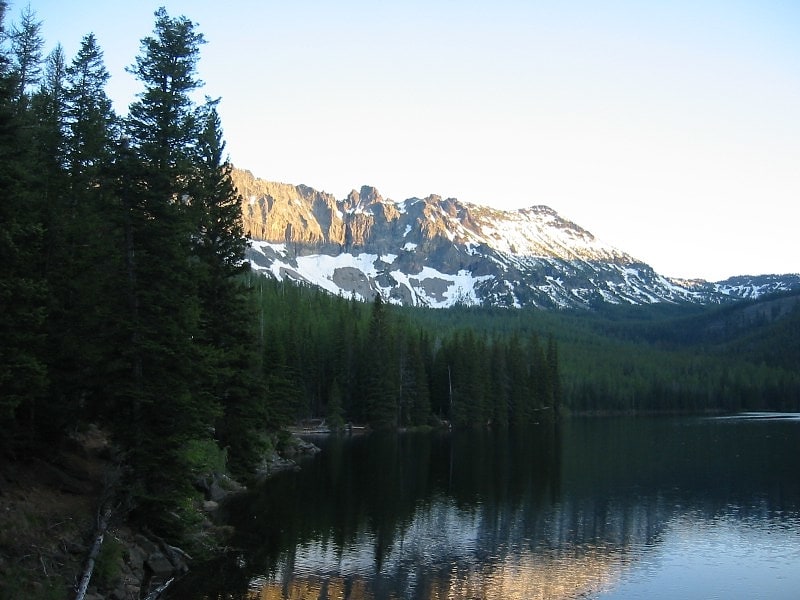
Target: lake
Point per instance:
(602, 508)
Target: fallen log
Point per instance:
(156, 593)
(94, 551)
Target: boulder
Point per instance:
(159, 565)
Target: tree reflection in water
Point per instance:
(482, 514)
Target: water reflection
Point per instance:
(724, 557)
(597, 510)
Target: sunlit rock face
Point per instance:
(440, 252)
(288, 213)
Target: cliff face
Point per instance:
(437, 252)
(288, 213)
(364, 220)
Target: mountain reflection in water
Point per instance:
(588, 512)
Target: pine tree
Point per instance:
(23, 290)
(157, 411)
(379, 375)
(554, 376)
(81, 262)
(346, 337)
(226, 331)
(520, 410)
(26, 49)
(164, 122)
(418, 392)
(47, 107)
(500, 384)
(58, 412)
(538, 382)
(89, 118)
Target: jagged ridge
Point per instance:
(439, 252)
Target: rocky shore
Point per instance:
(49, 515)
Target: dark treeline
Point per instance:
(659, 358)
(125, 299)
(741, 356)
(503, 366)
(347, 361)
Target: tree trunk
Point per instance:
(102, 526)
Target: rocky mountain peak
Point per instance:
(438, 252)
(363, 199)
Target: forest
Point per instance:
(480, 363)
(345, 360)
(126, 302)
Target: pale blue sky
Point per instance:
(670, 129)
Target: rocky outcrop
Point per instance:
(143, 566)
(288, 213)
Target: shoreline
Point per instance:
(49, 525)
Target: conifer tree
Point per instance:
(82, 261)
(520, 393)
(89, 118)
(379, 375)
(538, 382)
(59, 411)
(26, 49)
(226, 331)
(23, 290)
(157, 410)
(48, 109)
(500, 384)
(416, 385)
(164, 121)
(554, 376)
(345, 358)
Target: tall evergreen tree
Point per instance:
(500, 384)
(519, 376)
(26, 49)
(23, 290)
(157, 410)
(48, 105)
(416, 392)
(81, 263)
(347, 336)
(554, 376)
(380, 371)
(164, 122)
(89, 116)
(59, 411)
(226, 332)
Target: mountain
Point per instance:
(440, 252)
(743, 287)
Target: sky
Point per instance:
(668, 129)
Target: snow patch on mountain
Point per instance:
(359, 275)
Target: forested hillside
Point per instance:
(661, 358)
(344, 360)
(477, 365)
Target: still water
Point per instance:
(602, 509)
